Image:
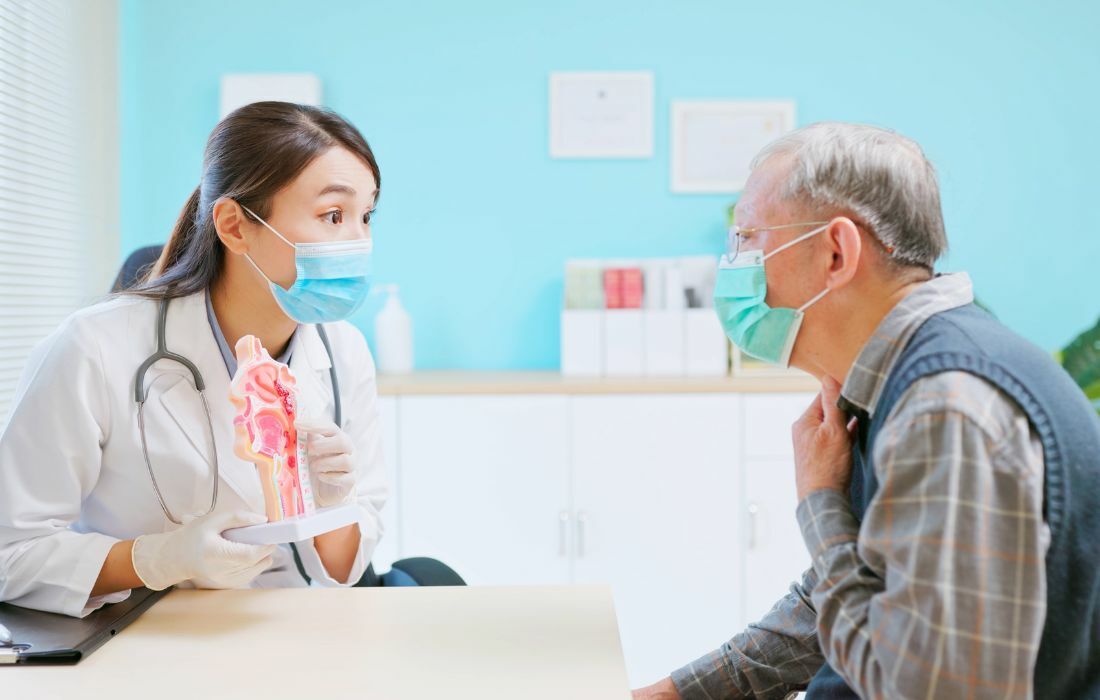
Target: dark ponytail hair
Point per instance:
(251, 154)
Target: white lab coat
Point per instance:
(72, 477)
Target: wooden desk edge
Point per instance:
(449, 382)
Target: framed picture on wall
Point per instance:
(240, 89)
(713, 142)
(601, 115)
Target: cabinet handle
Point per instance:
(582, 520)
(563, 526)
(754, 510)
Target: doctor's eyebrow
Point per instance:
(342, 189)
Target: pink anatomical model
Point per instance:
(265, 394)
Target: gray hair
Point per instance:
(879, 176)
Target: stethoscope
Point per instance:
(162, 353)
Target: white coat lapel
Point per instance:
(189, 334)
(310, 365)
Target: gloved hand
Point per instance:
(198, 551)
(331, 469)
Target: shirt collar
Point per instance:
(867, 378)
(228, 355)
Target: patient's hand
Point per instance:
(662, 690)
(823, 440)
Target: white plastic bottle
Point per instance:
(393, 335)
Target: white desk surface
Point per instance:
(514, 643)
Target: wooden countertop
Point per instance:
(440, 382)
(460, 643)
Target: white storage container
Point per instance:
(624, 340)
(664, 343)
(582, 352)
(706, 349)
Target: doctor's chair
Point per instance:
(415, 571)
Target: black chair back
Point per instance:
(135, 267)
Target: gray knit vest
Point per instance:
(970, 340)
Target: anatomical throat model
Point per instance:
(264, 392)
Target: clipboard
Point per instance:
(41, 638)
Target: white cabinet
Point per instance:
(683, 503)
(768, 419)
(484, 485)
(775, 554)
(389, 549)
(656, 491)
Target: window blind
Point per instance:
(51, 242)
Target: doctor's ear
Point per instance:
(846, 246)
(228, 218)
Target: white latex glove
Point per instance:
(198, 551)
(330, 467)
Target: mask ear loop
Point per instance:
(796, 241)
(257, 267)
(269, 226)
(811, 302)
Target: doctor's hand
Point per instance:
(823, 444)
(197, 551)
(330, 466)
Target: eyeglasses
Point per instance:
(736, 235)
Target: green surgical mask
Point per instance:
(766, 333)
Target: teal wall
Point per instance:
(476, 219)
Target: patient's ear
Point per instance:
(228, 217)
(846, 246)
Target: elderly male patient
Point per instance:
(947, 474)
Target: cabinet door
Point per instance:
(768, 421)
(656, 497)
(484, 485)
(389, 549)
(775, 554)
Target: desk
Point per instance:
(514, 643)
(473, 382)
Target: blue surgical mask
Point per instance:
(332, 283)
(757, 329)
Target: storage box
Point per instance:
(664, 343)
(624, 340)
(706, 348)
(582, 343)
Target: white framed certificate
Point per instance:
(240, 89)
(713, 142)
(601, 115)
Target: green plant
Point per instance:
(1081, 358)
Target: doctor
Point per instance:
(275, 240)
